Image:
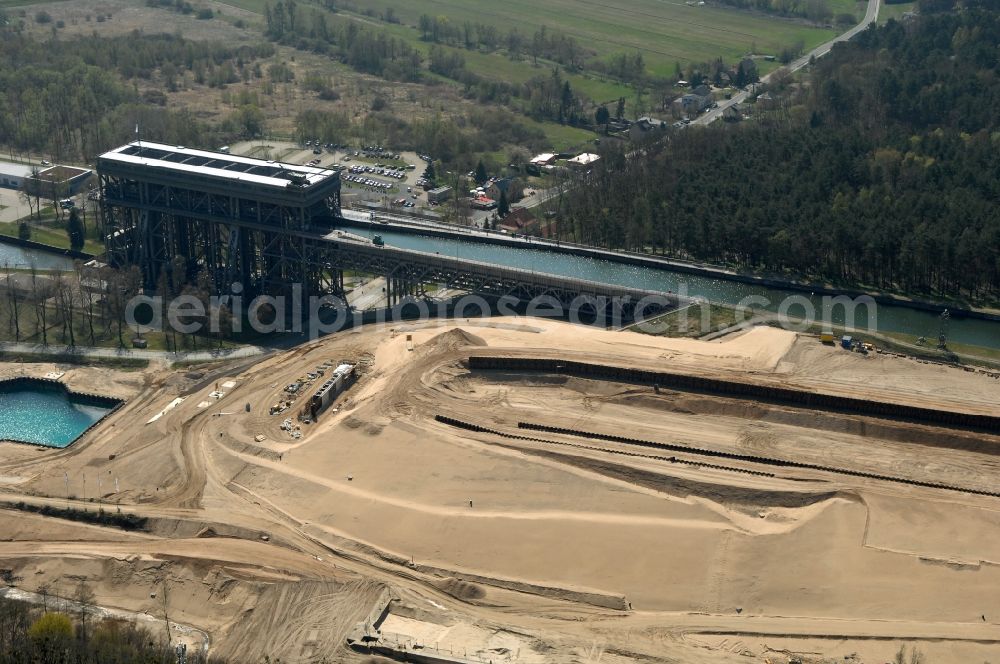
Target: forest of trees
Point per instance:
(74, 98)
(883, 171)
(366, 50)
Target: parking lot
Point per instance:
(374, 177)
(366, 177)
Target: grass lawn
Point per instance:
(693, 321)
(4, 4)
(895, 11)
(562, 137)
(847, 7)
(256, 6)
(53, 237)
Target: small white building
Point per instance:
(544, 159)
(439, 195)
(583, 160)
(12, 175)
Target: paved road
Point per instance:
(368, 296)
(871, 15)
(540, 196)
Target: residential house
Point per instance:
(692, 104)
(583, 161)
(520, 220)
(509, 186)
(644, 126)
(545, 161)
(767, 100)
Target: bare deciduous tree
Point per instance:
(84, 596)
(15, 320)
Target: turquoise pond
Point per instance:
(46, 414)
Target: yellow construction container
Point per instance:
(827, 339)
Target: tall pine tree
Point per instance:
(74, 228)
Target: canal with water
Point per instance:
(44, 414)
(887, 318)
(14, 256)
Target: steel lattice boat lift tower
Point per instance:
(242, 219)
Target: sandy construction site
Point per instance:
(496, 540)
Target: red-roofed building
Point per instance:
(484, 203)
(519, 220)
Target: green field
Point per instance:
(53, 237)
(848, 7)
(887, 12)
(694, 321)
(563, 137)
(665, 32)
(256, 6)
(4, 4)
(498, 67)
